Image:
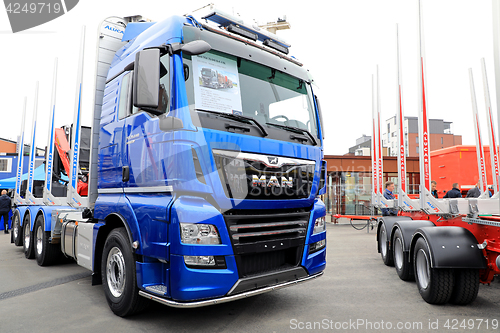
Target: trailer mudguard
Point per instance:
(450, 247)
(388, 223)
(407, 229)
(22, 212)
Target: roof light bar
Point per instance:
(242, 32)
(276, 46)
(225, 19)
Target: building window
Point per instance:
(5, 165)
(417, 150)
(416, 141)
(441, 140)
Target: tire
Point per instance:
(45, 253)
(384, 249)
(466, 286)
(401, 262)
(28, 243)
(17, 231)
(434, 284)
(119, 276)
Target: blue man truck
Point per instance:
(195, 196)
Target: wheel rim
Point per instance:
(383, 242)
(422, 268)
(115, 269)
(39, 240)
(27, 235)
(398, 253)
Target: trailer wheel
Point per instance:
(28, 244)
(401, 262)
(384, 250)
(435, 285)
(45, 253)
(17, 234)
(466, 286)
(119, 276)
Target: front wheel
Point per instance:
(435, 285)
(28, 245)
(119, 276)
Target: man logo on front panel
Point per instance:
(272, 160)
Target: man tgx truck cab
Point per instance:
(203, 195)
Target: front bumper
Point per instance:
(228, 297)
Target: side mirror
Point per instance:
(146, 78)
(196, 47)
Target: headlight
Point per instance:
(195, 233)
(319, 225)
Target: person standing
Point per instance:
(454, 192)
(5, 206)
(434, 191)
(389, 187)
(474, 192)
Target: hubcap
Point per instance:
(115, 272)
(422, 266)
(39, 240)
(27, 235)
(398, 253)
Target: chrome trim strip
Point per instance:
(148, 189)
(144, 189)
(110, 190)
(225, 299)
(263, 158)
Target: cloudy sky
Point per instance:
(341, 42)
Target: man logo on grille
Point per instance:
(273, 160)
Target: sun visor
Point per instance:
(134, 29)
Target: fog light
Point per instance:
(314, 247)
(319, 225)
(206, 262)
(199, 260)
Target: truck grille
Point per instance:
(264, 177)
(267, 241)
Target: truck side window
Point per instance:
(123, 109)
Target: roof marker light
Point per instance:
(242, 32)
(276, 46)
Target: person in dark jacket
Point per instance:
(5, 206)
(434, 190)
(454, 192)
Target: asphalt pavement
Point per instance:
(357, 293)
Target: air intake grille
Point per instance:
(266, 242)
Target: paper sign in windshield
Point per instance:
(216, 86)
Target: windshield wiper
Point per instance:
(296, 130)
(242, 119)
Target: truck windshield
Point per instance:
(223, 83)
